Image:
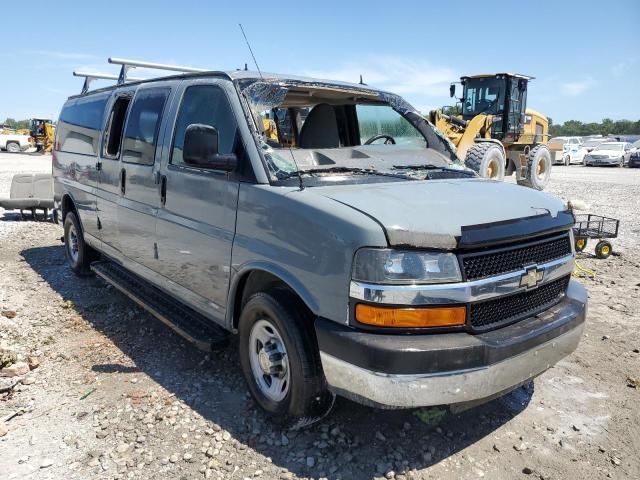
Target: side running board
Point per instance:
(185, 321)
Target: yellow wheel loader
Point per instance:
(494, 132)
(43, 133)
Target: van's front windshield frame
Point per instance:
(258, 95)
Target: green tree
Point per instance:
(606, 127)
(16, 124)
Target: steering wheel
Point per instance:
(388, 139)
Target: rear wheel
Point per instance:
(603, 249)
(487, 160)
(538, 168)
(280, 359)
(79, 254)
(581, 244)
(13, 147)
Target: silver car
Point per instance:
(609, 154)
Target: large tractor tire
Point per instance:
(538, 168)
(487, 160)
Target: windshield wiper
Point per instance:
(430, 167)
(341, 169)
(311, 171)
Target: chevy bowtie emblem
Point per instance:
(532, 277)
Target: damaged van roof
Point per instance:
(247, 75)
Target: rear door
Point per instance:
(108, 190)
(196, 220)
(139, 177)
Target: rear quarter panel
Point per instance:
(74, 165)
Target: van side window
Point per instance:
(205, 104)
(143, 124)
(113, 132)
(79, 126)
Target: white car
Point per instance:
(14, 143)
(592, 143)
(609, 153)
(566, 150)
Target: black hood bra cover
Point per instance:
(512, 230)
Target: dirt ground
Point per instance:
(118, 395)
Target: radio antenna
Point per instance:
(293, 157)
(250, 50)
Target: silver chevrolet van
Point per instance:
(330, 226)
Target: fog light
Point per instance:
(410, 317)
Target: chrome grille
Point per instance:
(510, 259)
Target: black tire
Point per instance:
(603, 249)
(13, 147)
(79, 254)
(567, 161)
(307, 399)
(487, 160)
(538, 168)
(580, 244)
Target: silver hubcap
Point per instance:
(72, 244)
(269, 360)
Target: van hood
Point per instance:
(610, 153)
(434, 213)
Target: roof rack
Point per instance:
(127, 65)
(90, 77)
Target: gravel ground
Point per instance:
(118, 395)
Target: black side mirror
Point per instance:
(522, 85)
(452, 90)
(201, 149)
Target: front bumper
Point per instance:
(401, 371)
(603, 161)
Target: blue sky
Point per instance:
(585, 55)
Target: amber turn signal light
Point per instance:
(410, 317)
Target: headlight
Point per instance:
(382, 265)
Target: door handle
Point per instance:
(163, 189)
(123, 181)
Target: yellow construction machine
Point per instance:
(43, 133)
(494, 132)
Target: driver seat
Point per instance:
(320, 129)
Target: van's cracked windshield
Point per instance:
(329, 131)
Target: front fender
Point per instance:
(274, 269)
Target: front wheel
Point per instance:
(280, 359)
(603, 249)
(538, 168)
(567, 160)
(487, 160)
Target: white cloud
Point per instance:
(404, 76)
(577, 87)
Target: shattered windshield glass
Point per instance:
(329, 129)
